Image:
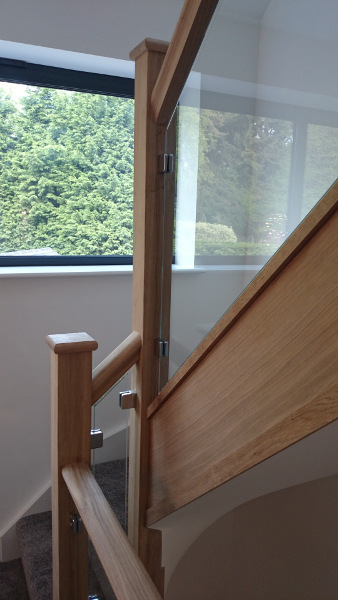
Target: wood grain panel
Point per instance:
(125, 571)
(271, 380)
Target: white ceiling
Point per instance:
(308, 18)
(311, 18)
(250, 9)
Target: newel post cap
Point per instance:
(70, 343)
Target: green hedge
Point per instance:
(215, 231)
(216, 248)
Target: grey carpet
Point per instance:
(35, 538)
(112, 478)
(12, 581)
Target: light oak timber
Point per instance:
(147, 277)
(115, 365)
(71, 392)
(186, 41)
(319, 215)
(148, 45)
(67, 343)
(270, 381)
(125, 571)
(321, 411)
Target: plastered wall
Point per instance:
(282, 545)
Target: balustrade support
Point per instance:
(71, 393)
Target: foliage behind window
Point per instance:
(243, 181)
(66, 172)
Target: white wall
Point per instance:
(290, 46)
(31, 308)
(282, 545)
(199, 298)
(312, 458)
(35, 306)
(102, 27)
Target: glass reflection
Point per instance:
(257, 148)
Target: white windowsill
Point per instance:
(101, 270)
(79, 271)
(66, 271)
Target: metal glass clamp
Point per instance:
(165, 163)
(75, 523)
(128, 399)
(96, 439)
(161, 348)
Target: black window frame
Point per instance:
(18, 71)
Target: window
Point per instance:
(66, 170)
(249, 170)
(243, 184)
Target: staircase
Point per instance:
(31, 578)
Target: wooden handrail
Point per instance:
(115, 365)
(188, 36)
(124, 570)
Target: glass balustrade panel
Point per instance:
(257, 132)
(99, 587)
(110, 462)
(110, 469)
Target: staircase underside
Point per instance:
(312, 458)
(267, 383)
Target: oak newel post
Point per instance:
(147, 286)
(71, 392)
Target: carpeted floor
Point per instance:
(12, 581)
(112, 478)
(35, 539)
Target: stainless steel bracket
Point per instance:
(162, 348)
(96, 439)
(128, 399)
(165, 163)
(75, 523)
